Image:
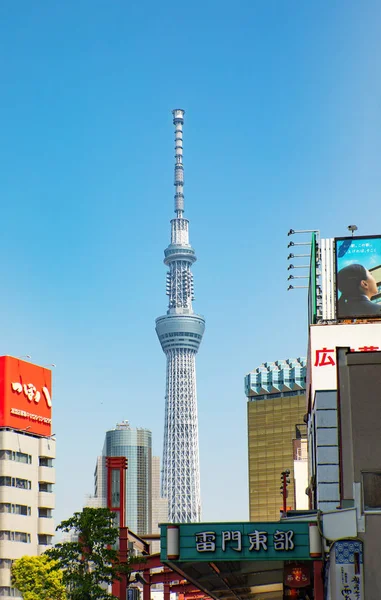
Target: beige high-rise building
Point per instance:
(27, 471)
(275, 417)
(27, 500)
(159, 504)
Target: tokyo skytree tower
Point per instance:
(180, 333)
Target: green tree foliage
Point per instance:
(38, 578)
(90, 563)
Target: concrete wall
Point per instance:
(324, 459)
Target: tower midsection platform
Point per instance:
(180, 331)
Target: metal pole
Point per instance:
(284, 494)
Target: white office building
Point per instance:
(27, 499)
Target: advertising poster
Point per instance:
(358, 277)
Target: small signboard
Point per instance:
(346, 571)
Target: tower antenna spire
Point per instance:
(180, 333)
(178, 121)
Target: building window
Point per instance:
(5, 563)
(23, 484)
(45, 540)
(372, 490)
(44, 461)
(115, 488)
(9, 592)
(45, 487)
(45, 513)
(15, 509)
(16, 456)
(21, 509)
(20, 536)
(15, 536)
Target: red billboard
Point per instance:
(25, 396)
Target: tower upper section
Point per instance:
(179, 255)
(180, 328)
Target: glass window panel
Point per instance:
(115, 488)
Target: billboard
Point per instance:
(323, 341)
(358, 277)
(25, 396)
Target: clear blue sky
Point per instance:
(282, 130)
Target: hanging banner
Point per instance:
(346, 571)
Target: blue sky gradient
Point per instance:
(282, 129)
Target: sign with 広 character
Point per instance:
(235, 541)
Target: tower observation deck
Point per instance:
(180, 333)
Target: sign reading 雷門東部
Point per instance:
(239, 541)
(25, 396)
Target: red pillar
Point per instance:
(167, 592)
(147, 586)
(116, 501)
(123, 555)
(117, 465)
(318, 580)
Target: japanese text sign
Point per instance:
(324, 339)
(346, 572)
(25, 396)
(241, 541)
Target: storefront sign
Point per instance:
(240, 541)
(259, 540)
(324, 339)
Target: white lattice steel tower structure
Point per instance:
(180, 333)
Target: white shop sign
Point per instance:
(324, 339)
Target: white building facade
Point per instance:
(27, 499)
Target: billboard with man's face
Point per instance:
(358, 277)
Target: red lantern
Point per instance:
(297, 576)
